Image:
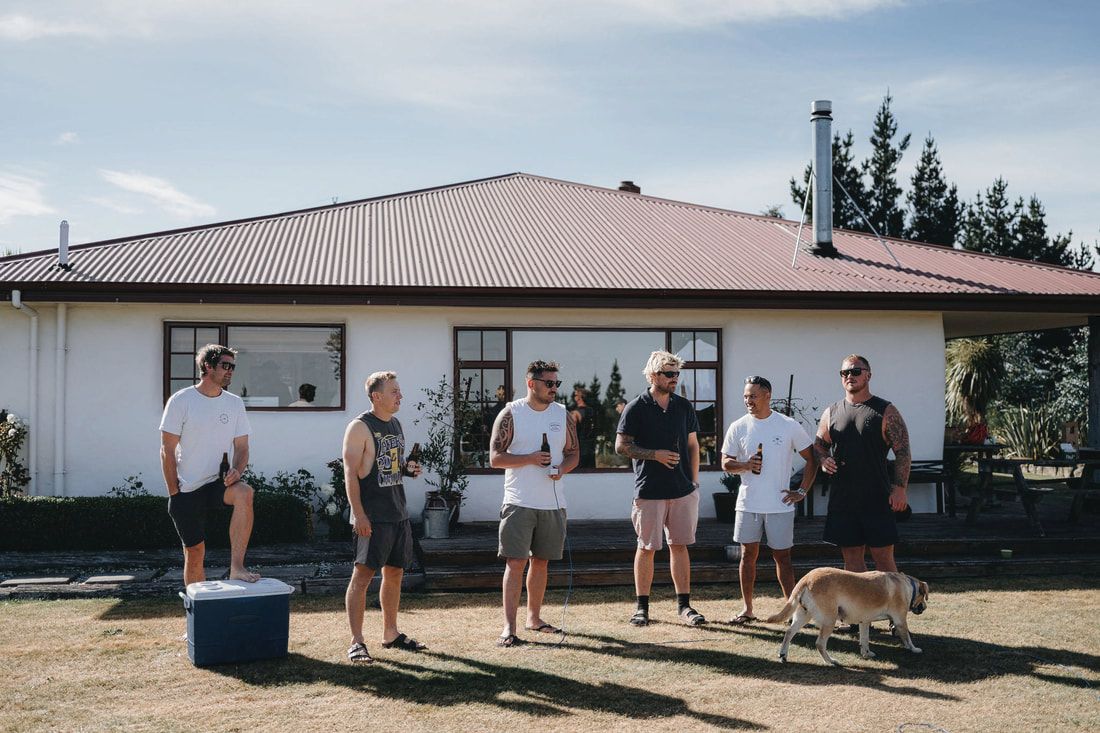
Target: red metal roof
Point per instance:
(524, 232)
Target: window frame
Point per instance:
(458, 365)
(223, 335)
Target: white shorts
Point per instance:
(749, 527)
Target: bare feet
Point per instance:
(243, 574)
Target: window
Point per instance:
(279, 366)
(599, 368)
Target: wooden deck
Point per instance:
(600, 553)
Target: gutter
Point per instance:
(59, 403)
(32, 387)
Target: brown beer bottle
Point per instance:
(545, 448)
(414, 454)
(760, 455)
(223, 469)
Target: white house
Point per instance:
(473, 280)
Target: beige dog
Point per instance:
(827, 595)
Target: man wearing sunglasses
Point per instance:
(853, 439)
(658, 431)
(532, 517)
(765, 503)
(200, 423)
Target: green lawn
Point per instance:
(998, 655)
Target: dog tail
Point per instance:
(788, 608)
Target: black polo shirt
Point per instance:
(653, 427)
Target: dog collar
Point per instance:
(913, 600)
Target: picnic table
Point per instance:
(1030, 491)
(984, 452)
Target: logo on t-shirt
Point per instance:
(777, 440)
(223, 418)
(555, 427)
(389, 459)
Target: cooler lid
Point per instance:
(211, 590)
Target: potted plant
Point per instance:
(725, 502)
(453, 443)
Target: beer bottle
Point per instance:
(414, 454)
(223, 469)
(551, 469)
(760, 455)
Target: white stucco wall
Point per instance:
(113, 387)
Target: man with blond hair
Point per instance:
(658, 431)
(374, 464)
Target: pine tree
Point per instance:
(991, 222)
(935, 214)
(846, 174)
(883, 191)
(614, 393)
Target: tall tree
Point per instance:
(845, 173)
(935, 214)
(991, 221)
(883, 192)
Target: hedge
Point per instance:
(136, 522)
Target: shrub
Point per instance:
(1031, 432)
(13, 474)
(135, 522)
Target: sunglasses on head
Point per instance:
(669, 375)
(227, 365)
(853, 372)
(551, 383)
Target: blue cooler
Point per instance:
(232, 621)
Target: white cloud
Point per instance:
(160, 192)
(116, 206)
(15, 27)
(67, 138)
(21, 196)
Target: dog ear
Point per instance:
(924, 588)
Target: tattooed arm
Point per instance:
(822, 444)
(503, 433)
(625, 446)
(896, 435)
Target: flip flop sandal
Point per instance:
(358, 654)
(691, 617)
(404, 643)
(544, 629)
(742, 619)
(510, 641)
(640, 618)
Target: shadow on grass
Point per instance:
(473, 681)
(946, 659)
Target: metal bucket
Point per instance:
(437, 519)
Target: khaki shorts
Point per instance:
(531, 532)
(657, 519)
(750, 527)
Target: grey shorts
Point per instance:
(531, 532)
(749, 527)
(390, 543)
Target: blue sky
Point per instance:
(132, 116)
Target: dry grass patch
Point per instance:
(1012, 655)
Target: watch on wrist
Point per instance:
(695, 484)
(800, 491)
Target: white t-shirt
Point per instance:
(782, 438)
(530, 486)
(207, 427)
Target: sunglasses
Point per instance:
(853, 372)
(550, 383)
(227, 365)
(669, 375)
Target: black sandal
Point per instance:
(358, 654)
(691, 617)
(404, 643)
(640, 618)
(510, 641)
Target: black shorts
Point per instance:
(188, 510)
(390, 543)
(855, 528)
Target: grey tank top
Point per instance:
(862, 480)
(381, 490)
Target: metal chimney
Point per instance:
(63, 248)
(821, 119)
(630, 187)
